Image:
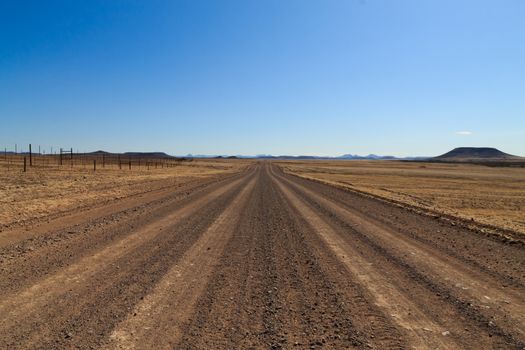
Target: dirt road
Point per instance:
(259, 259)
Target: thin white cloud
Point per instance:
(464, 132)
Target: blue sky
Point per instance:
(325, 77)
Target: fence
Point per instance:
(96, 161)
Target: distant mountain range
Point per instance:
(370, 156)
(457, 154)
(269, 156)
(460, 154)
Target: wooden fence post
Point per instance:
(25, 161)
(30, 156)
(130, 165)
(94, 165)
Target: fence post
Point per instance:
(94, 165)
(60, 156)
(30, 156)
(25, 161)
(119, 163)
(130, 165)
(103, 160)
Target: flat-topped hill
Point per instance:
(476, 153)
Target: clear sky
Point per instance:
(324, 77)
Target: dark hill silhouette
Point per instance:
(133, 155)
(476, 153)
(148, 154)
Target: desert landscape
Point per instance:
(273, 175)
(217, 253)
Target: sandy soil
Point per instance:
(488, 195)
(259, 259)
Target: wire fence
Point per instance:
(95, 161)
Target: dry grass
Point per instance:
(46, 190)
(489, 195)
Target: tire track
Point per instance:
(486, 253)
(26, 263)
(471, 286)
(48, 224)
(277, 288)
(423, 267)
(387, 296)
(156, 321)
(74, 297)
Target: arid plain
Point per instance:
(493, 195)
(221, 254)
